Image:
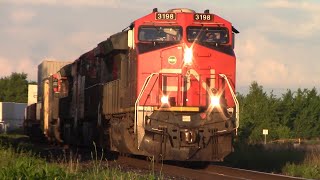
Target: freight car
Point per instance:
(162, 87)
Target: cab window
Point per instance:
(160, 34)
(210, 35)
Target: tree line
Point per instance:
(296, 114)
(14, 88)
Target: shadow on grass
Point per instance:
(267, 158)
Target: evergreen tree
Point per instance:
(293, 115)
(307, 105)
(259, 111)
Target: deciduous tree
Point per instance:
(14, 88)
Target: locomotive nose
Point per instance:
(172, 58)
(188, 55)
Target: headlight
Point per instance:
(188, 55)
(215, 101)
(164, 100)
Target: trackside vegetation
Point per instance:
(289, 159)
(293, 122)
(309, 168)
(294, 115)
(14, 88)
(19, 160)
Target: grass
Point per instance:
(276, 158)
(309, 168)
(17, 161)
(27, 166)
(261, 158)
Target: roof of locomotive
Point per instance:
(118, 40)
(180, 12)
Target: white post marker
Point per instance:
(265, 133)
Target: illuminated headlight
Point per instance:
(215, 101)
(164, 100)
(188, 55)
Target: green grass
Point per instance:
(260, 158)
(18, 161)
(309, 168)
(27, 166)
(276, 158)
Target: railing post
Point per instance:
(234, 99)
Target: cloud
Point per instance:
(76, 44)
(297, 29)
(278, 47)
(291, 4)
(62, 49)
(280, 4)
(85, 38)
(293, 25)
(4, 68)
(21, 16)
(23, 64)
(274, 64)
(94, 3)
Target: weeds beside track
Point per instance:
(21, 160)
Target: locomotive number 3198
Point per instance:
(167, 16)
(202, 17)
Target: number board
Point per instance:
(165, 16)
(203, 17)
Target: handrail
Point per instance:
(234, 99)
(146, 82)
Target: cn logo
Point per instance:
(172, 60)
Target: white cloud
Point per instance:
(290, 4)
(76, 44)
(272, 47)
(291, 25)
(87, 38)
(104, 3)
(280, 4)
(24, 64)
(299, 29)
(273, 64)
(278, 48)
(5, 68)
(21, 16)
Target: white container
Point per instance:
(32, 93)
(46, 69)
(12, 114)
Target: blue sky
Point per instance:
(277, 46)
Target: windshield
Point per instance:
(160, 33)
(216, 35)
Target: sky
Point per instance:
(277, 46)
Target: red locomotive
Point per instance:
(163, 87)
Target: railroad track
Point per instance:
(210, 172)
